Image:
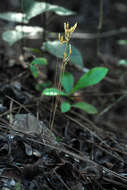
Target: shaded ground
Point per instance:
(82, 151)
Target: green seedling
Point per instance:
(35, 67)
(66, 79)
(94, 76)
(35, 64)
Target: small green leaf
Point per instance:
(67, 82)
(123, 62)
(53, 92)
(85, 107)
(58, 139)
(39, 61)
(65, 106)
(34, 71)
(93, 77)
(57, 49)
(122, 42)
(14, 17)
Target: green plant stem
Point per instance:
(62, 70)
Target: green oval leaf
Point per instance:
(34, 71)
(85, 107)
(67, 82)
(39, 61)
(65, 106)
(123, 62)
(12, 36)
(122, 42)
(14, 17)
(94, 76)
(27, 4)
(37, 8)
(57, 49)
(53, 92)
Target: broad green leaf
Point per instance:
(39, 61)
(65, 106)
(12, 36)
(37, 8)
(67, 82)
(94, 76)
(34, 71)
(14, 17)
(85, 107)
(27, 4)
(53, 92)
(57, 49)
(122, 42)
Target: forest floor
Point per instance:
(82, 151)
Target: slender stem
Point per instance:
(62, 70)
(100, 23)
